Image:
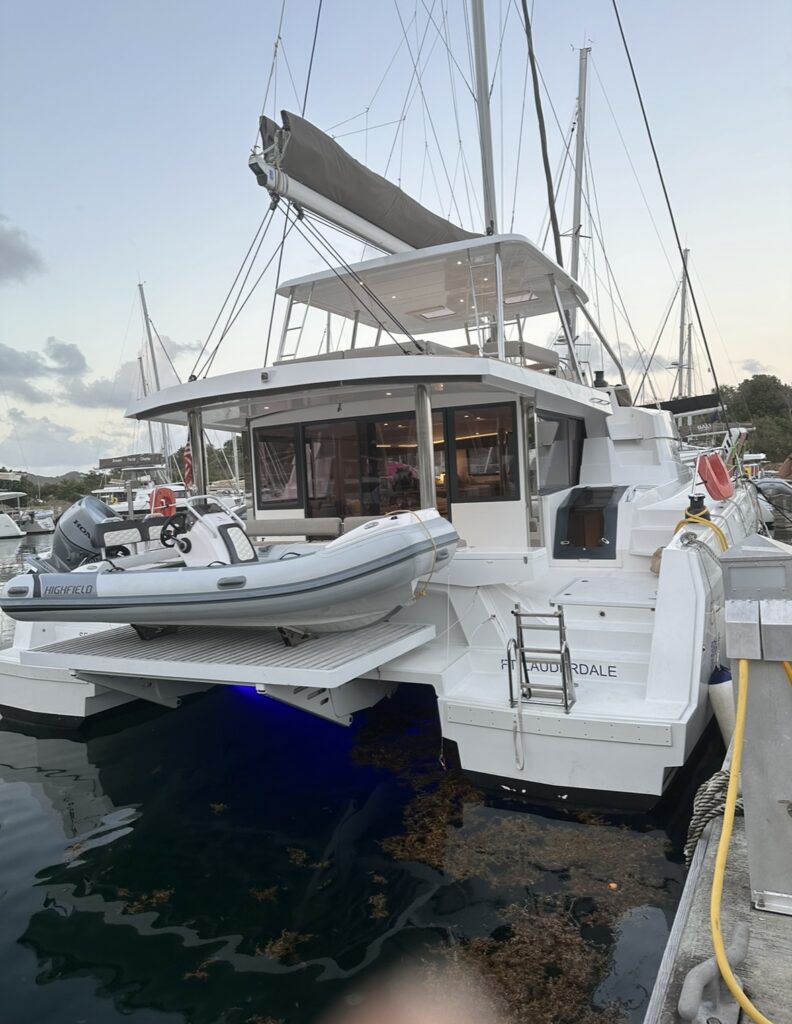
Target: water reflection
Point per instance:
(238, 861)
(241, 862)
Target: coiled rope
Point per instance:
(709, 803)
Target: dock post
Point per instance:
(757, 577)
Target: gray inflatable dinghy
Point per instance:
(353, 581)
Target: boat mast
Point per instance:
(682, 326)
(155, 372)
(487, 164)
(580, 157)
(145, 392)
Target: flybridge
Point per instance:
(436, 276)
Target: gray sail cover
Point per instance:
(311, 157)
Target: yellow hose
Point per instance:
(723, 852)
(788, 670)
(703, 522)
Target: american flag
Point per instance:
(188, 466)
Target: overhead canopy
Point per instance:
(12, 495)
(311, 157)
(441, 288)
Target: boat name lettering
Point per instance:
(580, 668)
(66, 589)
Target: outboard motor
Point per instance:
(74, 540)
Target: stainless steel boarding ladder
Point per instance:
(520, 653)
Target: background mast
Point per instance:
(580, 158)
(487, 165)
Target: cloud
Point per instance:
(18, 258)
(18, 368)
(754, 366)
(60, 375)
(40, 444)
(65, 357)
(105, 392)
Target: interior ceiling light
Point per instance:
(435, 313)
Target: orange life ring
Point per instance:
(162, 501)
(715, 475)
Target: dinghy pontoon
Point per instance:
(220, 579)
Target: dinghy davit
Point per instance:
(205, 570)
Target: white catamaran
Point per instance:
(569, 638)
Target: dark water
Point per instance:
(239, 861)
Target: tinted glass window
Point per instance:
(390, 464)
(559, 447)
(275, 456)
(485, 453)
(332, 469)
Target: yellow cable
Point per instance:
(723, 852)
(788, 670)
(689, 518)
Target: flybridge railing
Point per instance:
(310, 333)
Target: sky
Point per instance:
(125, 131)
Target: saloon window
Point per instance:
(390, 464)
(559, 446)
(484, 452)
(277, 476)
(332, 469)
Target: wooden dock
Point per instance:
(766, 972)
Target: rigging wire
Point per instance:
(416, 66)
(366, 288)
(456, 112)
(411, 91)
(342, 279)
(311, 60)
(286, 229)
(233, 319)
(670, 213)
(633, 169)
(542, 135)
(659, 336)
(289, 71)
(519, 146)
(597, 231)
(273, 65)
(230, 291)
(167, 354)
(449, 52)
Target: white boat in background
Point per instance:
(26, 520)
(9, 525)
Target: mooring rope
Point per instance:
(709, 803)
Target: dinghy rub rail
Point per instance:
(58, 587)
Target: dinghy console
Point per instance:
(206, 533)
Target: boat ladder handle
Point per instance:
(518, 650)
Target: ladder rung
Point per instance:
(540, 650)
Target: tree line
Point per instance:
(765, 403)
